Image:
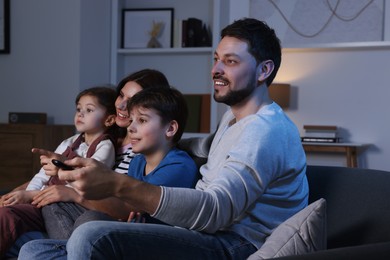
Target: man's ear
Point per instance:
(172, 128)
(110, 120)
(265, 69)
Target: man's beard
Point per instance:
(233, 97)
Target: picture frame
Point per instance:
(5, 26)
(140, 25)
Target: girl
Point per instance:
(95, 115)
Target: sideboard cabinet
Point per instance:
(17, 163)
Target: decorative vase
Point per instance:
(154, 43)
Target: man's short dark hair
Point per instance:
(262, 41)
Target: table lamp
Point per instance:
(280, 93)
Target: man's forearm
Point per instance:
(141, 196)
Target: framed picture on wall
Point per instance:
(147, 28)
(4, 26)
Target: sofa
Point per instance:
(356, 223)
(357, 217)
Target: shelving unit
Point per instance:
(187, 69)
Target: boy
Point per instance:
(157, 121)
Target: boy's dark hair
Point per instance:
(262, 41)
(169, 103)
(146, 78)
(106, 97)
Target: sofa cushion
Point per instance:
(302, 233)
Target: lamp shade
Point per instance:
(280, 93)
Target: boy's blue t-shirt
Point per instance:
(177, 169)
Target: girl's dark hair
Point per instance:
(146, 78)
(262, 41)
(106, 97)
(169, 103)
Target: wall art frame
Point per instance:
(5, 26)
(147, 28)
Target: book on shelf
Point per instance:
(320, 127)
(194, 32)
(320, 131)
(191, 32)
(184, 33)
(320, 134)
(320, 139)
(177, 33)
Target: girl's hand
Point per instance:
(17, 197)
(46, 157)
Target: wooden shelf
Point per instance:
(349, 149)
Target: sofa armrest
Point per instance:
(358, 209)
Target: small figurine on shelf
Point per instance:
(157, 28)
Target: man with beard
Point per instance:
(254, 178)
